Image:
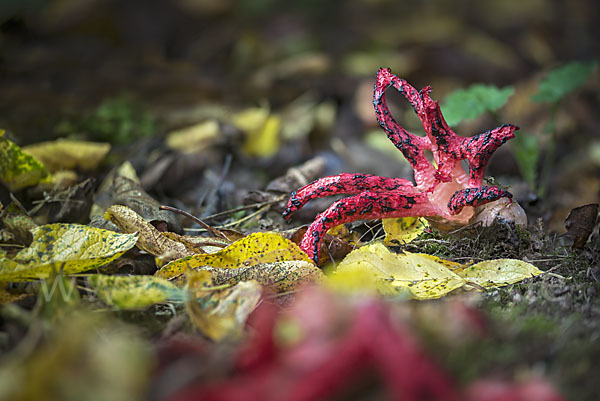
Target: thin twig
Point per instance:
(246, 207)
(213, 231)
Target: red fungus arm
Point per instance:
(366, 205)
(479, 148)
(411, 146)
(345, 183)
(475, 197)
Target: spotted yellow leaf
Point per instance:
(376, 269)
(403, 230)
(73, 248)
(498, 272)
(249, 251)
(421, 275)
(134, 292)
(18, 169)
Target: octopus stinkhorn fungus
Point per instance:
(444, 193)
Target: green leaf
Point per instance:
(134, 292)
(74, 248)
(563, 80)
(527, 154)
(19, 170)
(465, 104)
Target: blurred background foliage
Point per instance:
(123, 71)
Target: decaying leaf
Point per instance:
(122, 187)
(73, 248)
(580, 223)
(403, 230)
(223, 313)
(196, 138)
(18, 223)
(252, 250)
(133, 292)
(374, 268)
(18, 169)
(67, 154)
(278, 276)
(149, 238)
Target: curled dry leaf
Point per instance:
(220, 314)
(149, 238)
(580, 223)
(72, 248)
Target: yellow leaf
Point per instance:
(65, 154)
(262, 131)
(149, 238)
(420, 274)
(221, 314)
(19, 170)
(252, 250)
(195, 138)
(278, 276)
(134, 292)
(73, 248)
(403, 230)
(499, 272)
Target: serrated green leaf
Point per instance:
(74, 248)
(563, 80)
(465, 104)
(19, 170)
(134, 292)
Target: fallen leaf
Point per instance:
(18, 169)
(220, 314)
(262, 131)
(376, 269)
(122, 187)
(403, 230)
(66, 154)
(249, 251)
(149, 238)
(134, 292)
(278, 276)
(580, 223)
(195, 138)
(421, 275)
(73, 248)
(498, 272)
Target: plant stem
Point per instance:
(550, 153)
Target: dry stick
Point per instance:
(246, 207)
(213, 231)
(251, 215)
